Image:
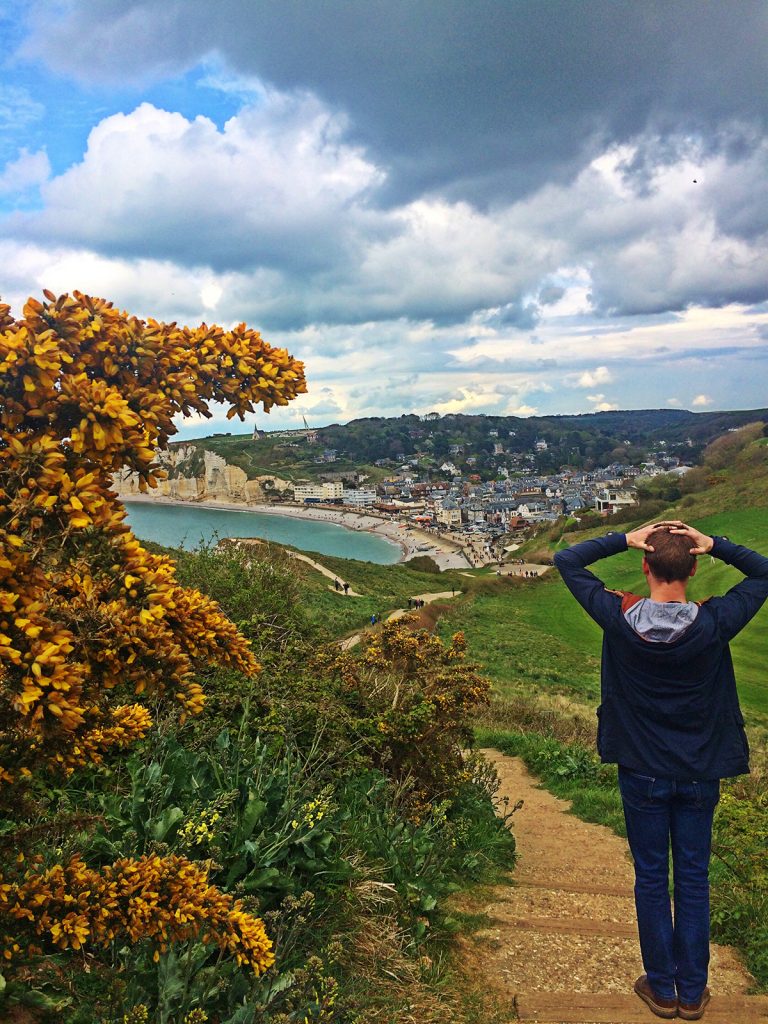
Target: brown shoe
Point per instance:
(661, 1007)
(694, 1011)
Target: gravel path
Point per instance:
(560, 944)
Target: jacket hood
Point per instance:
(661, 622)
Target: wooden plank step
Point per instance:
(607, 1008)
(589, 890)
(571, 925)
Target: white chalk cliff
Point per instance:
(198, 475)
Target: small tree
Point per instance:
(92, 626)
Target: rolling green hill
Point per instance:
(589, 439)
(532, 635)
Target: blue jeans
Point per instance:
(675, 955)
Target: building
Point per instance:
(449, 514)
(359, 498)
(610, 500)
(329, 491)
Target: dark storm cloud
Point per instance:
(476, 100)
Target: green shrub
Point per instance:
(740, 871)
(423, 563)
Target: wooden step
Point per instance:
(589, 890)
(570, 925)
(606, 1008)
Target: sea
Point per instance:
(181, 526)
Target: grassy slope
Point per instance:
(270, 456)
(548, 620)
(531, 635)
(382, 588)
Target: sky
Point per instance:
(510, 207)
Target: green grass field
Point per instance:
(531, 635)
(383, 588)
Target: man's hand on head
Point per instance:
(640, 538)
(702, 542)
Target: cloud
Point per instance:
(272, 188)
(591, 378)
(283, 204)
(539, 86)
(468, 400)
(600, 404)
(18, 108)
(416, 234)
(27, 171)
(550, 294)
(701, 400)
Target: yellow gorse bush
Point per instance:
(92, 624)
(86, 390)
(419, 694)
(163, 899)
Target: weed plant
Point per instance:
(303, 807)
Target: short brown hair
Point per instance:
(671, 558)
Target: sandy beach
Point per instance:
(446, 554)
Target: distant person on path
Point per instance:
(337, 585)
(670, 718)
(346, 588)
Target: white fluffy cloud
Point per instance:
(28, 170)
(279, 192)
(275, 218)
(273, 188)
(591, 378)
(599, 403)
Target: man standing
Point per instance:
(669, 717)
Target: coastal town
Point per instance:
(464, 510)
(486, 520)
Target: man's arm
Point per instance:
(742, 602)
(588, 590)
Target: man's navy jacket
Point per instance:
(669, 710)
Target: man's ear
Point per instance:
(693, 570)
(646, 567)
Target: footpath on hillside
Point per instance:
(352, 641)
(560, 943)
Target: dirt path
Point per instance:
(325, 572)
(513, 569)
(560, 945)
(509, 569)
(398, 613)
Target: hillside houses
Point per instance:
(466, 504)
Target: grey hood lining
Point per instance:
(661, 621)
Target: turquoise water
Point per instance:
(178, 526)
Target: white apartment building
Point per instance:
(359, 498)
(318, 492)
